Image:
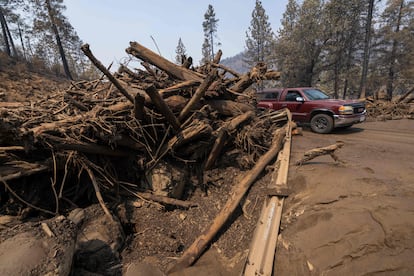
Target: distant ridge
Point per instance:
(236, 63)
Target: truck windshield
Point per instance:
(315, 94)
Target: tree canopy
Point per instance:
(45, 38)
(210, 25)
(260, 38)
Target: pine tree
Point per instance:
(180, 52)
(210, 24)
(343, 26)
(397, 36)
(299, 47)
(367, 46)
(7, 16)
(259, 38)
(52, 12)
(54, 39)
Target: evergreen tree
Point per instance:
(299, 46)
(53, 15)
(284, 51)
(260, 38)
(180, 52)
(8, 17)
(397, 39)
(343, 26)
(5, 29)
(367, 46)
(210, 24)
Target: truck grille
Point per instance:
(358, 109)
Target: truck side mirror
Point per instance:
(300, 99)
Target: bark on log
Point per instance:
(167, 200)
(403, 97)
(63, 144)
(257, 73)
(217, 57)
(175, 88)
(189, 134)
(223, 135)
(26, 171)
(187, 62)
(201, 90)
(11, 104)
(229, 108)
(139, 112)
(200, 244)
(99, 65)
(272, 75)
(226, 69)
(162, 107)
(311, 154)
(170, 68)
(244, 83)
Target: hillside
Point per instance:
(236, 63)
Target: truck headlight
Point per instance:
(346, 110)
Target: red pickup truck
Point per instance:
(314, 107)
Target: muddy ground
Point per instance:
(355, 218)
(350, 218)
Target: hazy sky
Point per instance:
(108, 25)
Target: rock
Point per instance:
(99, 240)
(167, 180)
(28, 250)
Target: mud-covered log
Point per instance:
(178, 87)
(311, 154)
(256, 73)
(139, 111)
(201, 90)
(162, 107)
(64, 144)
(223, 135)
(191, 133)
(170, 68)
(229, 108)
(240, 188)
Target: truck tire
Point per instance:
(322, 123)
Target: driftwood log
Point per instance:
(311, 154)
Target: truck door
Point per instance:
(293, 105)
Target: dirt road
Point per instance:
(354, 218)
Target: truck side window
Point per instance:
(292, 95)
(273, 95)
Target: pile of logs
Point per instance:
(126, 131)
(400, 107)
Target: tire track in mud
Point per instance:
(371, 199)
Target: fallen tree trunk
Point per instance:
(200, 244)
(229, 108)
(170, 68)
(309, 155)
(99, 65)
(223, 135)
(162, 107)
(201, 90)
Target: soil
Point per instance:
(354, 217)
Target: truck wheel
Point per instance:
(321, 123)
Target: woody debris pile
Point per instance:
(153, 134)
